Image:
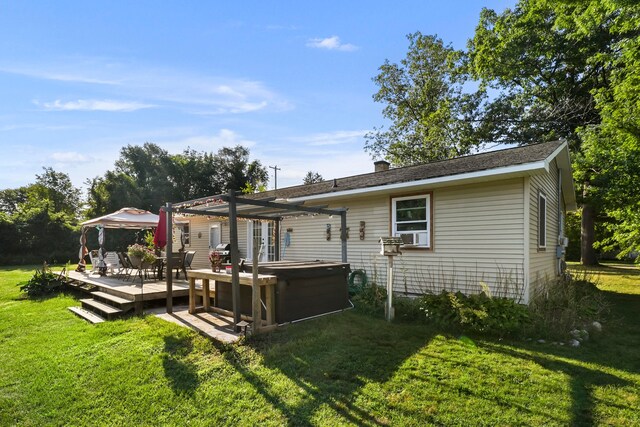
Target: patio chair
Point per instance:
(93, 256)
(188, 259)
(125, 266)
(112, 261)
(177, 262)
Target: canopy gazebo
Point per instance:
(125, 218)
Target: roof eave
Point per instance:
(563, 159)
(525, 169)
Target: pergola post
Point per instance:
(235, 259)
(169, 249)
(276, 239)
(343, 234)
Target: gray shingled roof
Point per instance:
(461, 165)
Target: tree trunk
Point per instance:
(587, 236)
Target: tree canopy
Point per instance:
(312, 177)
(431, 113)
(148, 176)
(39, 221)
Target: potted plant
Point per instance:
(215, 258)
(140, 256)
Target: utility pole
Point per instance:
(275, 175)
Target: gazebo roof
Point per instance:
(127, 218)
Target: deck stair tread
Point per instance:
(105, 308)
(87, 315)
(111, 298)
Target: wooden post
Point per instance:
(276, 231)
(235, 259)
(389, 311)
(256, 309)
(206, 302)
(343, 234)
(192, 295)
(169, 249)
(270, 293)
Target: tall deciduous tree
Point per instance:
(552, 65)
(148, 176)
(431, 112)
(38, 222)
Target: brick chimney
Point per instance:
(381, 166)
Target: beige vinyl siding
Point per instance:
(543, 262)
(201, 225)
(477, 236)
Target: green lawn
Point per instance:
(346, 369)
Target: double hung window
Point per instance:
(411, 219)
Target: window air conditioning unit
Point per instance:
(414, 238)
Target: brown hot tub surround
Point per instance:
(304, 289)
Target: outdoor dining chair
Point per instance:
(125, 266)
(188, 259)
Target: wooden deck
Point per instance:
(133, 291)
(210, 325)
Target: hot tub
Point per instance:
(304, 289)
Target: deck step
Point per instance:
(87, 315)
(112, 298)
(106, 309)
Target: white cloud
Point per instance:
(93, 105)
(69, 157)
(331, 43)
(332, 138)
(168, 87)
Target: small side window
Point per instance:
(542, 221)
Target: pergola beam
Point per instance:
(289, 207)
(226, 214)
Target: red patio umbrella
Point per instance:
(160, 238)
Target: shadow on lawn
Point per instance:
(616, 348)
(333, 365)
(182, 376)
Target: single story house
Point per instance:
(492, 220)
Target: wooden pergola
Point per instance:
(234, 205)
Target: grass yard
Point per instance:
(346, 369)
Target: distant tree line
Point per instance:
(40, 222)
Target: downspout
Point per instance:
(561, 243)
(526, 272)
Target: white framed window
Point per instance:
(542, 221)
(411, 219)
(186, 234)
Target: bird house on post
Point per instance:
(390, 247)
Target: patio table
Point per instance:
(246, 279)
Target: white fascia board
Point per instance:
(505, 172)
(564, 163)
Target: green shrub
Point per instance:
(371, 298)
(43, 283)
(475, 313)
(408, 309)
(561, 305)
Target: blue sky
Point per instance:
(290, 80)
